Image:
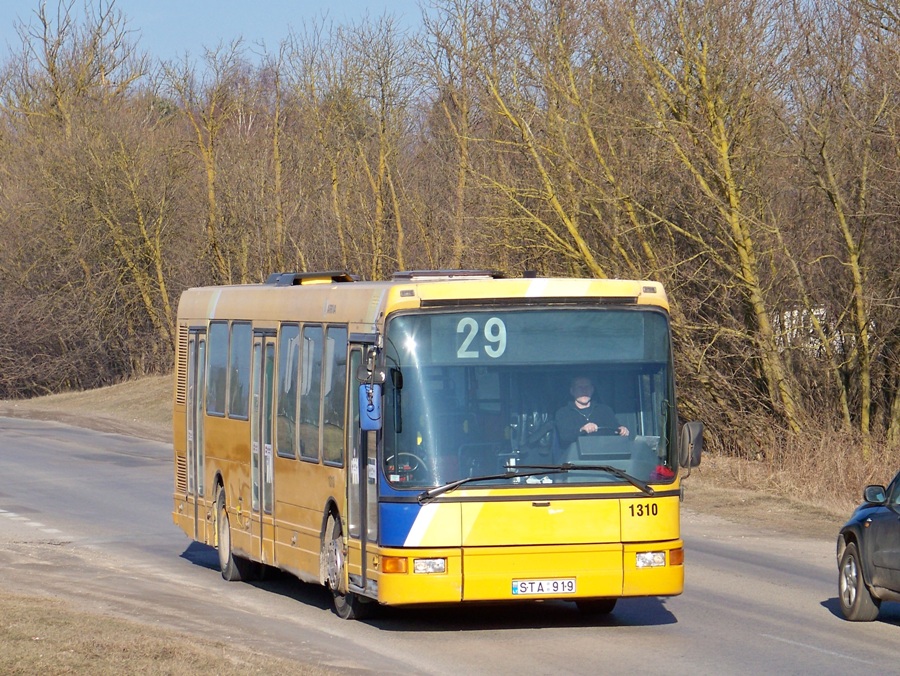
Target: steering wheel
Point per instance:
(542, 436)
(405, 467)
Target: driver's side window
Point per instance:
(894, 493)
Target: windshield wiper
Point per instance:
(432, 493)
(536, 470)
(615, 471)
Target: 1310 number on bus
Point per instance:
(644, 509)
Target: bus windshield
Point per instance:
(481, 393)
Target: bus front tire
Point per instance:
(347, 605)
(234, 568)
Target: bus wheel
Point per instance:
(347, 605)
(233, 567)
(596, 606)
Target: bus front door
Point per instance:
(196, 393)
(261, 447)
(356, 481)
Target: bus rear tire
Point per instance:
(234, 568)
(596, 606)
(347, 605)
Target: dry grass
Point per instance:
(825, 469)
(47, 636)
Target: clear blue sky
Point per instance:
(169, 28)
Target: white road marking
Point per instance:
(13, 516)
(817, 649)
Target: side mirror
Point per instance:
(875, 495)
(370, 407)
(690, 446)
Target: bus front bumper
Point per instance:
(569, 572)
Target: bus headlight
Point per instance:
(650, 559)
(428, 566)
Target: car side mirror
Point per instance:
(875, 495)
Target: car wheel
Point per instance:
(857, 603)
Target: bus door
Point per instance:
(361, 494)
(196, 393)
(261, 448)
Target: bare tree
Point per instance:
(208, 103)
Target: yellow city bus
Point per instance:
(396, 441)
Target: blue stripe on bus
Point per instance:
(395, 521)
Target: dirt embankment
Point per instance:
(141, 408)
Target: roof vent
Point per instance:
(419, 275)
(295, 278)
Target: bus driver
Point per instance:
(583, 416)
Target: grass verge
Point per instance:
(47, 636)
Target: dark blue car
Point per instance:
(868, 554)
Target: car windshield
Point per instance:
(479, 393)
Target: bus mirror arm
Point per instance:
(690, 445)
(369, 371)
(373, 377)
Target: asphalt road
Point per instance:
(86, 516)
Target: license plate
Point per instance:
(563, 585)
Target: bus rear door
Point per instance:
(261, 446)
(196, 393)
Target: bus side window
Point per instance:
(286, 415)
(310, 391)
(239, 364)
(217, 369)
(335, 378)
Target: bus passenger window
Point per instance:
(286, 412)
(310, 391)
(217, 368)
(239, 364)
(335, 381)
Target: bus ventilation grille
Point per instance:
(181, 475)
(181, 366)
